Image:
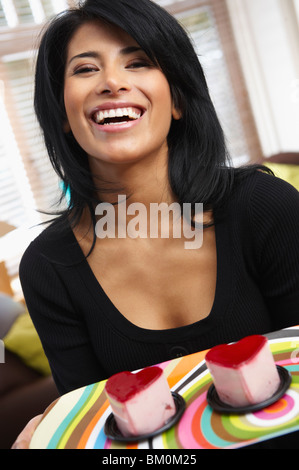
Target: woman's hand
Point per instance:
(24, 438)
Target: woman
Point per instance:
(102, 305)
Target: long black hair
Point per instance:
(199, 167)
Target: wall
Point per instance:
(267, 36)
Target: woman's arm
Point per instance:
(61, 327)
(274, 214)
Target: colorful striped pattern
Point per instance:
(76, 420)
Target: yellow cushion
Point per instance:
(22, 339)
(289, 173)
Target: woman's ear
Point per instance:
(66, 127)
(176, 113)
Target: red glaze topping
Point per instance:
(233, 355)
(125, 385)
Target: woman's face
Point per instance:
(118, 103)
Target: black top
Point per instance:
(87, 339)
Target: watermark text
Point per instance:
(160, 220)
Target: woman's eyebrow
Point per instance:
(97, 55)
(130, 50)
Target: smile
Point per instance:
(116, 116)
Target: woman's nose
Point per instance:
(113, 82)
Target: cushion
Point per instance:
(9, 311)
(289, 173)
(23, 340)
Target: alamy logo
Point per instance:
(160, 220)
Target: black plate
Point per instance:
(112, 432)
(218, 405)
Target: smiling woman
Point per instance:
(151, 43)
(125, 110)
(118, 102)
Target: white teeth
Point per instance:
(118, 112)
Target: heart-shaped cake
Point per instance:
(244, 372)
(141, 401)
(232, 355)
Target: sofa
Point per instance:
(285, 165)
(26, 385)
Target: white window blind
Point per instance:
(28, 183)
(209, 25)
(24, 11)
(3, 20)
(203, 30)
(20, 12)
(12, 208)
(42, 179)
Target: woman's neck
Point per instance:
(144, 182)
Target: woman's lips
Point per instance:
(114, 117)
(116, 112)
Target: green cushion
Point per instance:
(289, 173)
(23, 340)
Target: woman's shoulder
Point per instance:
(259, 202)
(263, 204)
(52, 244)
(47, 238)
(259, 190)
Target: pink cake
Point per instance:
(244, 373)
(141, 402)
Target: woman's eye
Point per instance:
(139, 64)
(85, 69)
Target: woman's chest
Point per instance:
(155, 287)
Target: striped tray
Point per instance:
(77, 419)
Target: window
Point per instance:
(209, 26)
(201, 24)
(28, 183)
(18, 12)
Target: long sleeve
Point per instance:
(61, 328)
(274, 215)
